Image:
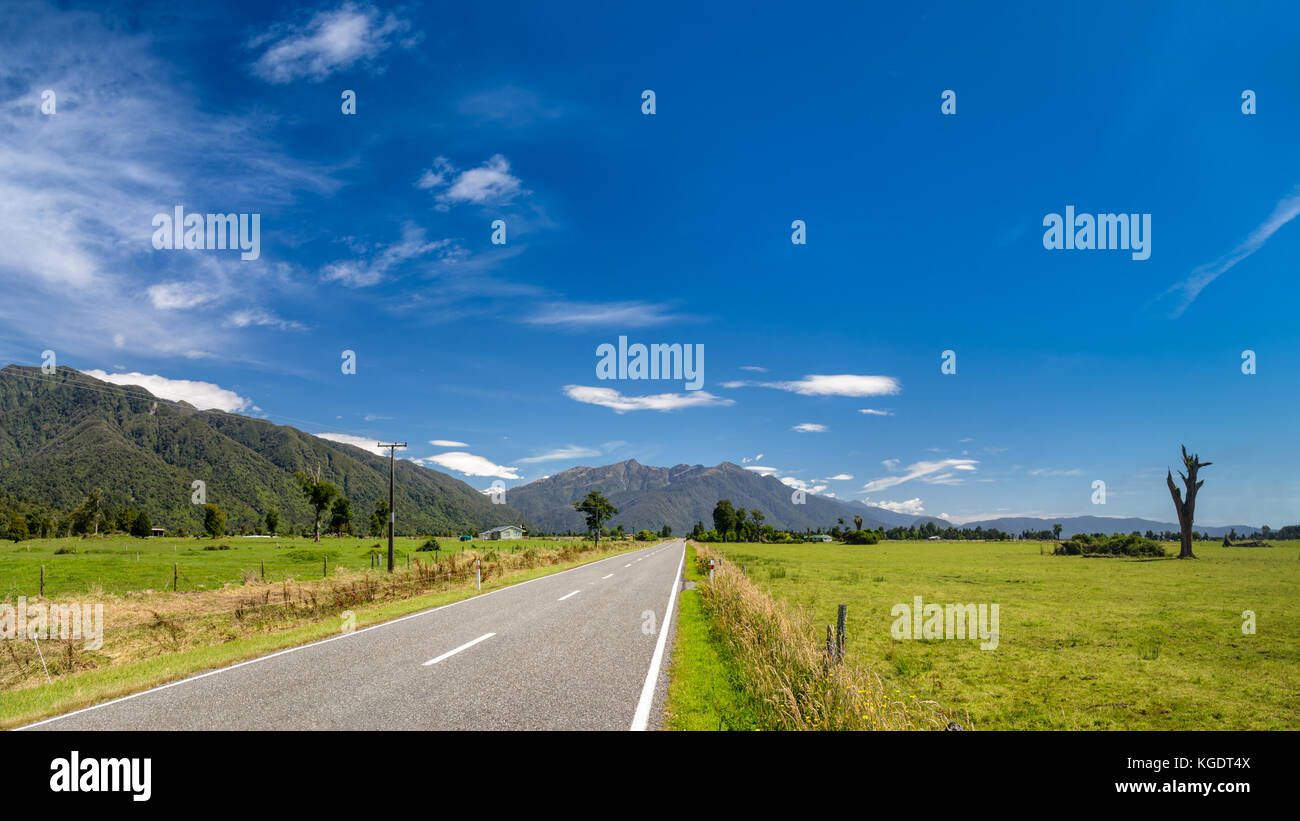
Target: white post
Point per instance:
(710, 571)
(478, 575)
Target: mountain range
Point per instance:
(64, 433)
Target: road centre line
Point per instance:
(464, 646)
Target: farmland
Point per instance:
(1084, 643)
(120, 564)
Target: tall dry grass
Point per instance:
(783, 660)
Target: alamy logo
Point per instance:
(655, 361)
(25, 621)
(77, 774)
(218, 232)
(1103, 232)
(946, 621)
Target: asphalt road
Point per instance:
(570, 651)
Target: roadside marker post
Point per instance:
(478, 576)
(710, 571)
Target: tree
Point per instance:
(724, 518)
(1186, 508)
(341, 515)
(88, 514)
(272, 521)
(666, 531)
(379, 519)
(319, 494)
(214, 520)
(142, 528)
(758, 517)
(597, 509)
(1056, 531)
(17, 528)
(857, 522)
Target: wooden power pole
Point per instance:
(392, 512)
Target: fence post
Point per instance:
(175, 576)
(830, 646)
(263, 569)
(324, 566)
(42, 581)
(840, 618)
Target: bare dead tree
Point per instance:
(1186, 508)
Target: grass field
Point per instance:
(118, 564)
(1084, 643)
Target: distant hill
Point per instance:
(63, 434)
(650, 497)
(1100, 524)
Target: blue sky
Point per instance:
(924, 234)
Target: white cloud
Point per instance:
(876, 412)
(839, 477)
(202, 395)
(489, 184)
(1186, 291)
(510, 106)
(935, 473)
(560, 454)
(764, 470)
(807, 487)
(610, 398)
(179, 295)
(843, 384)
(448, 443)
(470, 465)
(362, 442)
(912, 507)
(361, 273)
(809, 427)
(1055, 472)
(330, 41)
(262, 318)
(584, 314)
(754, 368)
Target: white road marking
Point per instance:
(574, 593)
(642, 716)
(629, 564)
(464, 646)
(602, 578)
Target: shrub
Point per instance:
(861, 537)
(1082, 544)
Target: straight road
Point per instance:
(582, 649)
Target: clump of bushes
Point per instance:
(431, 546)
(65, 550)
(861, 537)
(1098, 544)
(217, 547)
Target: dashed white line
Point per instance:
(602, 578)
(629, 564)
(464, 646)
(568, 595)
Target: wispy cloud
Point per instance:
(844, 384)
(592, 314)
(939, 472)
(510, 106)
(875, 412)
(470, 465)
(610, 398)
(561, 454)
(810, 427)
(1185, 293)
(448, 443)
(380, 261)
(352, 34)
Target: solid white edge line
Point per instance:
(288, 650)
(464, 646)
(642, 716)
(568, 595)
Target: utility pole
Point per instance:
(392, 512)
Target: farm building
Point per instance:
(158, 532)
(820, 537)
(503, 532)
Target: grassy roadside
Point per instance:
(84, 688)
(705, 690)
